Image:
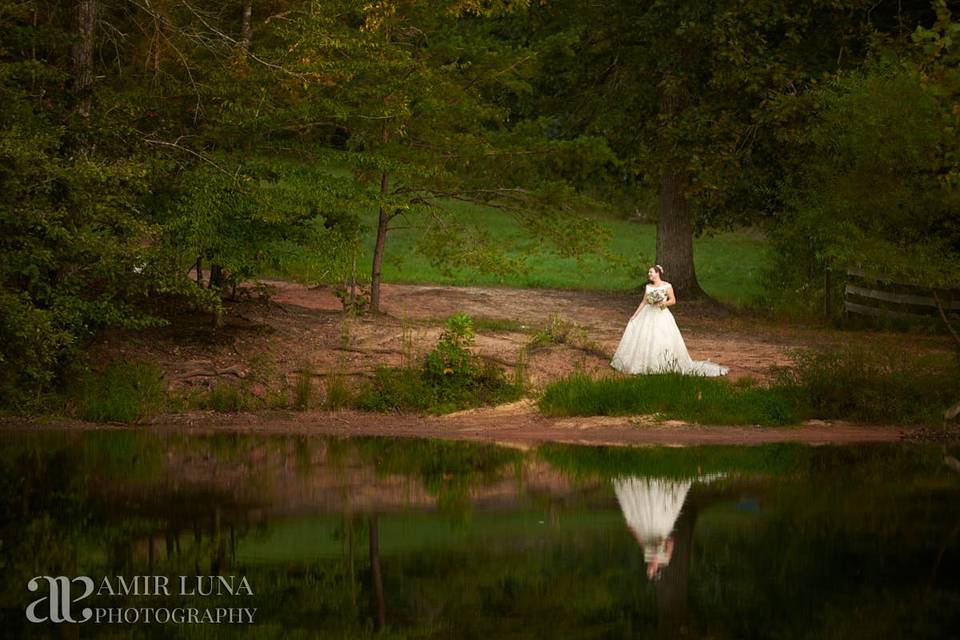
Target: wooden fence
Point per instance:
(872, 296)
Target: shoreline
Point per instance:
(517, 425)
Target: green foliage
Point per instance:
(120, 393)
(272, 156)
(669, 396)
(452, 361)
(890, 387)
(877, 188)
(226, 397)
(450, 377)
(393, 389)
(277, 214)
(77, 252)
(729, 264)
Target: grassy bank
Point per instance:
(853, 385)
(669, 396)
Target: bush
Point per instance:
(120, 393)
(394, 389)
(450, 377)
(876, 386)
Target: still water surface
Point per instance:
(376, 537)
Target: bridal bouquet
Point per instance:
(656, 297)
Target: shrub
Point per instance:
(393, 389)
(876, 386)
(450, 377)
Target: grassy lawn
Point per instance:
(728, 264)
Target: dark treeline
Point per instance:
(153, 155)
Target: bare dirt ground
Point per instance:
(514, 425)
(266, 341)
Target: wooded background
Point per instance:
(142, 139)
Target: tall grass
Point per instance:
(879, 386)
(225, 397)
(670, 396)
(125, 392)
(303, 388)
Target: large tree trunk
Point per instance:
(85, 14)
(675, 237)
(382, 223)
(674, 226)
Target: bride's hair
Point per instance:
(658, 269)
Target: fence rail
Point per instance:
(871, 298)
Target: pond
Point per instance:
(212, 536)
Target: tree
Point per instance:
(403, 95)
(682, 91)
(879, 186)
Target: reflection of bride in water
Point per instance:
(651, 507)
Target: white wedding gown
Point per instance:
(651, 507)
(652, 343)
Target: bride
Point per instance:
(652, 342)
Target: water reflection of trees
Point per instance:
(785, 567)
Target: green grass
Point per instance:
(125, 392)
(671, 396)
(888, 387)
(728, 264)
(303, 389)
(226, 398)
(848, 384)
(398, 389)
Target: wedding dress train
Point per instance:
(652, 343)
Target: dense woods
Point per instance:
(156, 154)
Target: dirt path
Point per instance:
(749, 346)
